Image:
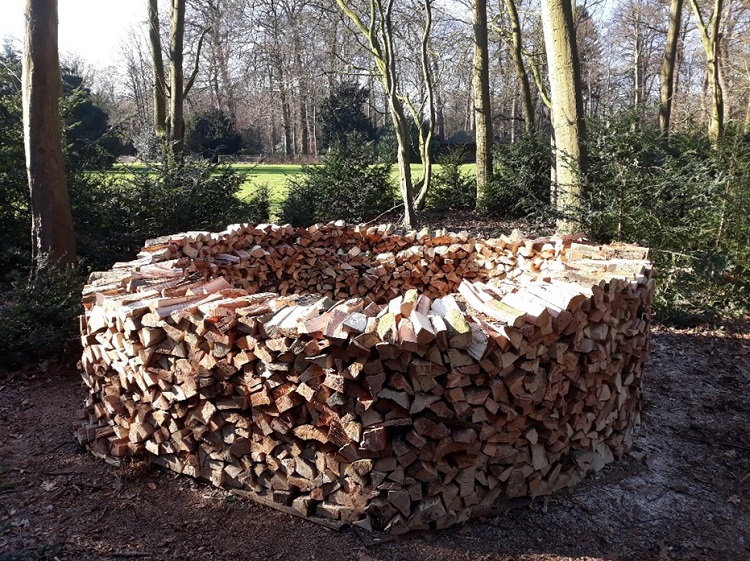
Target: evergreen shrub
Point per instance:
(451, 188)
(38, 314)
(688, 201)
(520, 183)
(114, 215)
(347, 185)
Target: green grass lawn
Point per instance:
(275, 176)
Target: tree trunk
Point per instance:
(176, 78)
(439, 104)
(226, 95)
(527, 105)
(404, 159)
(481, 94)
(380, 38)
(711, 44)
(159, 85)
(567, 110)
(286, 122)
(716, 125)
(304, 96)
(425, 138)
(677, 68)
(668, 67)
(726, 39)
(304, 127)
(638, 76)
(51, 217)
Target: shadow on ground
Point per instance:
(683, 493)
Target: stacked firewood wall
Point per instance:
(340, 261)
(411, 404)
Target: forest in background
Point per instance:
(269, 65)
(299, 81)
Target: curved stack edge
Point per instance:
(357, 374)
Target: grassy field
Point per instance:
(272, 175)
(275, 176)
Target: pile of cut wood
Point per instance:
(341, 261)
(448, 375)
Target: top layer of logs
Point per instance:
(375, 262)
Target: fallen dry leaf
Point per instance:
(49, 486)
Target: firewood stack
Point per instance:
(357, 375)
(341, 261)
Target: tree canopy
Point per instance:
(342, 115)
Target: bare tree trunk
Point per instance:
(226, 93)
(727, 39)
(51, 217)
(159, 84)
(439, 102)
(403, 158)
(178, 88)
(516, 50)
(637, 71)
(711, 37)
(304, 131)
(425, 137)
(286, 119)
(677, 68)
(716, 127)
(303, 98)
(481, 94)
(668, 67)
(379, 35)
(176, 78)
(274, 132)
(567, 109)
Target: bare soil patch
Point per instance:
(684, 492)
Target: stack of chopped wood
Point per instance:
(339, 261)
(398, 413)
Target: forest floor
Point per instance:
(682, 494)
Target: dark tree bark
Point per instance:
(51, 217)
(176, 77)
(481, 93)
(516, 49)
(159, 85)
(668, 67)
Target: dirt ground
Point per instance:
(683, 493)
